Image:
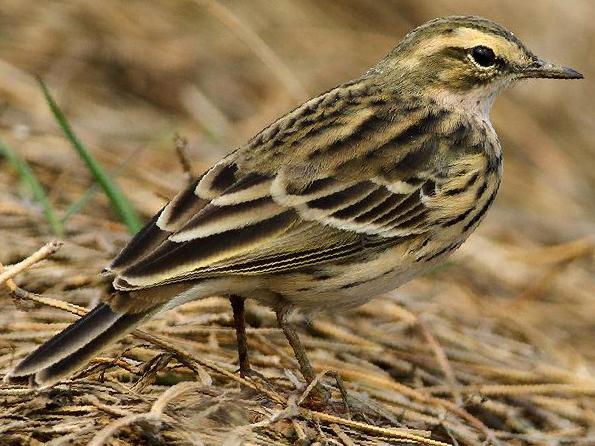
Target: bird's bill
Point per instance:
(543, 69)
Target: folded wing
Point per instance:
(295, 196)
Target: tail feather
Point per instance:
(73, 347)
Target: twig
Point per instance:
(112, 410)
(342, 435)
(393, 433)
(442, 360)
(181, 145)
(314, 383)
(108, 431)
(530, 389)
(44, 252)
(54, 303)
(171, 394)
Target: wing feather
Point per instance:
(295, 195)
(214, 219)
(176, 213)
(173, 261)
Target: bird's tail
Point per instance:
(74, 346)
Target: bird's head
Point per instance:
(465, 57)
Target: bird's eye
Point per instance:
(483, 56)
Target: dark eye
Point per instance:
(483, 56)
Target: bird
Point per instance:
(350, 195)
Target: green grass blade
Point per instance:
(78, 205)
(118, 200)
(29, 178)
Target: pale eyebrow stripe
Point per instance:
(462, 38)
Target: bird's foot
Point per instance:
(317, 397)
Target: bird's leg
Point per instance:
(239, 320)
(298, 350)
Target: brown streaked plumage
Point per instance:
(349, 195)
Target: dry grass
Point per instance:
(496, 347)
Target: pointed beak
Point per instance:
(542, 69)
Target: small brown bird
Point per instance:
(351, 194)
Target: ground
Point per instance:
(494, 347)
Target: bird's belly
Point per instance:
(349, 285)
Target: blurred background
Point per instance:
(132, 75)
